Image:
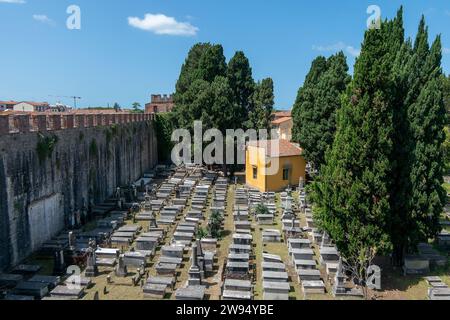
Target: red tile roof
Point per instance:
(282, 114)
(281, 120)
(277, 148)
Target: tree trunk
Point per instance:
(398, 255)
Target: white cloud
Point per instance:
(43, 18)
(338, 47)
(13, 1)
(163, 25)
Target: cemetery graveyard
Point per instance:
(154, 241)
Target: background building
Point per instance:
(7, 105)
(28, 106)
(260, 155)
(160, 104)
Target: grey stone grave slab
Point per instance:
(26, 269)
(171, 260)
(269, 296)
(299, 244)
(190, 293)
(172, 251)
(302, 254)
(238, 257)
(265, 219)
(242, 239)
(309, 275)
(155, 290)
(271, 276)
(106, 262)
(27, 288)
(231, 295)
(271, 258)
(10, 280)
(82, 281)
(63, 291)
(238, 285)
(169, 282)
(439, 294)
(166, 269)
(238, 267)
(50, 281)
(107, 253)
(276, 287)
(239, 248)
(271, 235)
(118, 241)
(313, 287)
(134, 259)
(304, 264)
(273, 266)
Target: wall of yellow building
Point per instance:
(266, 180)
(253, 157)
(297, 165)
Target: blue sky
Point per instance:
(117, 59)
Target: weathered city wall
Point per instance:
(51, 167)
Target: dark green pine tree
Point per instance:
(239, 74)
(427, 117)
(212, 64)
(305, 96)
(447, 92)
(352, 193)
(263, 101)
(315, 109)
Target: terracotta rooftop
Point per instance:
(285, 148)
(282, 114)
(281, 120)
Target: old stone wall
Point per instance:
(41, 185)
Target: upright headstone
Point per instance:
(338, 286)
(92, 268)
(72, 241)
(59, 265)
(121, 268)
(195, 278)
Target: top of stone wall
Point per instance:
(21, 122)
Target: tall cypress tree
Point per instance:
(240, 78)
(315, 109)
(352, 193)
(427, 116)
(263, 101)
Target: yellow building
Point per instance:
(273, 165)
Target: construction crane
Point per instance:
(75, 98)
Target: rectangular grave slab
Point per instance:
(309, 275)
(273, 266)
(16, 297)
(271, 258)
(169, 282)
(238, 267)
(82, 281)
(27, 288)
(299, 244)
(238, 248)
(231, 295)
(304, 264)
(10, 280)
(313, 287)
(134, 259)
(166, 269)
(50, 281)
(154, 290)
(63, 291)
(106, 262)
(171, 260)
(302, 254)
(238, 257)
(190, 293)
(269, 296)
(276, 287)
(271, 276)
(107, 253)
(172, 251)
(238, 285)
(25, 269)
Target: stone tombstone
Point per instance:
(59, 265)
(121, 268)
(72, 240)
(92, 268)
(195, 278)
(339, 286)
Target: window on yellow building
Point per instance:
(285, 174)
(255, 173)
